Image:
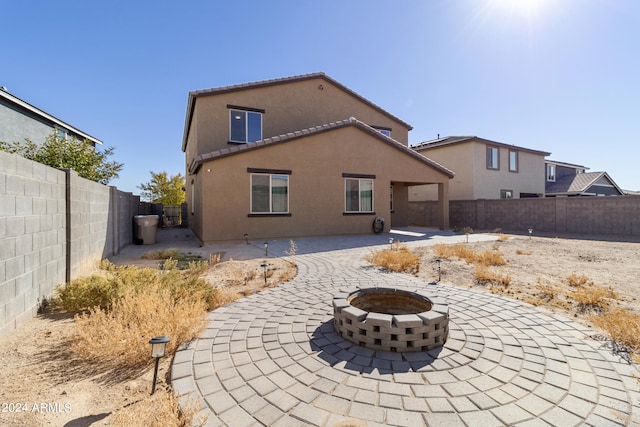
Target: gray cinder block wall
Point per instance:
(54, 227)
(32, 236)
(613, 215)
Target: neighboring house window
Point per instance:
(358, 194)
(493, 158)
(551, 173)
(269, 193)
(245, 124)
(506, 194)
(62, 134)
(513, 161)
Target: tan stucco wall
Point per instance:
(459, 159)
(288, 107)
(316, 186)
(474, 181)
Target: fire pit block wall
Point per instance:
(421, 331)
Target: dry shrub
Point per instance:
(578, 280)
(214, 259)
(485, 275)
(486, 258)
(592, 297)
(162, 409)
(622, 325)
(101, 291)
(490, 258)
(503, 237)
(521, 252)
(545, 291)
(121, 334)
(399, 259)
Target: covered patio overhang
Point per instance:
(399, 204)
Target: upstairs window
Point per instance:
(358, 195)
(269, 193)
(551, 173)
(513, 161)
(245, 124)
(383, 130)
(493, 158)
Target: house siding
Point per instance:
(316, 186)
(18, 125)
(474, 181)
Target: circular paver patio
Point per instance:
(273, 358)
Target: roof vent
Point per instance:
(4, 88)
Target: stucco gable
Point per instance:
(198, 160)
(193, 95)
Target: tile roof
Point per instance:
(283, 80)
(237, 149)
(575, 184)
(450, 140)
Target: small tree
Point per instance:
(168, 190)
(60, 152)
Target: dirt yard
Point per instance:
(43, 383)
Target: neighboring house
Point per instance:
(566, 179)
(484, 169)
(298, 156)
(20, 120)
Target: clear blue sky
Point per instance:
(555, 75)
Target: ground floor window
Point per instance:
(506, 194)
(269, 193)
(358, 195)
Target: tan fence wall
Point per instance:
(619, 215)
(54, 227)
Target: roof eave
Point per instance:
(56, 121)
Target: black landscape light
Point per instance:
(438, 262)
(264, 269)
(266, 246)
(391, 243)
(158, 347)
(246, 238)
(530, 233)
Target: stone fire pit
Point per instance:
(390, 319)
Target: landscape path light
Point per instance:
(391, 243)
(264, 269)
(266, 246)
(438, 262)
(530, 233)
(158, 347)
(246, 238)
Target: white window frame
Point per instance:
(551, 173)
(246, 113)
(490, 149)
(271, 211)
(514, 161)
(360, 184)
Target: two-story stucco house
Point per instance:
(20, 120)
(484, 169)
(299, 156)
(567, 179)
